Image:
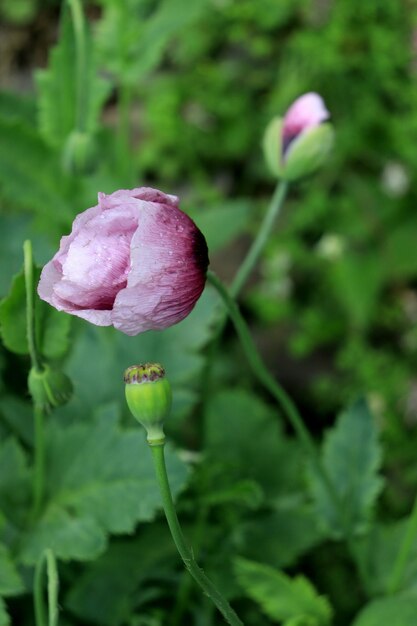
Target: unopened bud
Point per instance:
(300, 142)
(49, 387)
(149, 397)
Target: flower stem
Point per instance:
(46, 557)
(403, 555)
(38, 413)
(39, 462)
(261, 238)
(30, 305)
(179, 540)
(290, 410)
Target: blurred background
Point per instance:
(177, 95)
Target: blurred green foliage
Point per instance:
(178, 95)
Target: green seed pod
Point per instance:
(149, 397)
(49, 388)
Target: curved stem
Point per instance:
(179, 540)
(30, 305)
(77, 16)
(403, 555)
(261, 238)
(38, 596)
(283, 399)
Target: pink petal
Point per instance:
(168, 265)
(306, 112)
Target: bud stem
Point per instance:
(186, 554)
(261, 238)
(82, 82)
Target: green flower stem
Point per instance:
(261, 238)
(39, 462)
(30, 305)
(78, 22)
(283, 399)
(182, 547)
(177, 616)
(47, 557)
(39, 470)
(403, 555)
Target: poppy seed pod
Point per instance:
(149, 397)
(134, 261)
(299, 143)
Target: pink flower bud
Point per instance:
(134, 261)
(308, 111)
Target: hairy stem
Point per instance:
(186, 554)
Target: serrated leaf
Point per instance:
(53, 326)
(351, 455)
(57, 87)
(399, 610)
(10, 580)
(290, 600)
(100, 480)
(106, 592)
(4, 616)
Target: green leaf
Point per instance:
(14, 482)
(100, 480)
(13, 317)
(247, 434)
(294, 601)
(45, 190)
(10, 580)
(4, 616)
(351, 455)
(106, 591)
(399, 610)
(53, 326)
(57, 87)
(280, 537)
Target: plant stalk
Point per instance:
(186, 554)
(82, 95)
(47, 557)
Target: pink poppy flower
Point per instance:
(134, 261)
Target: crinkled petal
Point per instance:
(168, 267)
